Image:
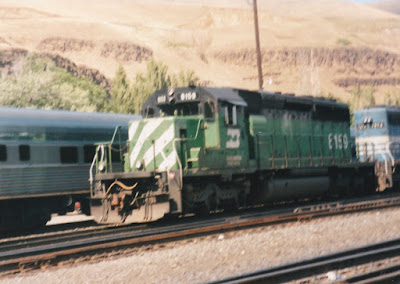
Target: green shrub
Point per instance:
(41, 84)
(343, 41)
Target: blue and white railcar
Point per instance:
(44, 160)
(378, 134)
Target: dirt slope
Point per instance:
(392, 6)
(317, 46)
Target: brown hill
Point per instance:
(392, 6)
(317, 46)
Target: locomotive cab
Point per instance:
(210, 129)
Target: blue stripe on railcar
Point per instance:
(378, 133)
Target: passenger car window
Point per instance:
(3, 153)
(69, 155)
(24, 152)
(88, 153)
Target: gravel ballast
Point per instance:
(220, 256)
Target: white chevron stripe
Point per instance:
(169, 162)
(160, 144)
(133, 128)
(148, 129)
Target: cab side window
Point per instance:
(230, 115)
(149, 112)
(209, 110)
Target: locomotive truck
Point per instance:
(199, 149)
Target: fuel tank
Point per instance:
(288, 188)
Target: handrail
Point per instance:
(91, 174)
(92, 165)
(110, 148)
(176, 152)
(117, 129)
(101, 146)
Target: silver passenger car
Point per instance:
(44, 161)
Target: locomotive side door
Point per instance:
(233, 136)
(211, 133)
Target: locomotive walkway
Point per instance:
(42, 251)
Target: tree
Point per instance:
(184, 78)
(368, 95)
(361, 98)
(120, 99)
(155, 78)
(392, 98)
(127, 98)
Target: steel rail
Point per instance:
(323, 264)
(53, 249)
(381, 275)
(57, 237)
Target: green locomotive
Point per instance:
(201, 149)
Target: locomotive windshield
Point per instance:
(184, 102)
(182, 109)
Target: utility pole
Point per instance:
(258, 51)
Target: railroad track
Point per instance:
(35, 252)
(17, 243)
(328, 268)
(49, 229)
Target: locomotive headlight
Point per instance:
(101, 167)
(138, 165)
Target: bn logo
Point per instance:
(234, 138)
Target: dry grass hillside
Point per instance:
(314, 47)
(392, 6)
